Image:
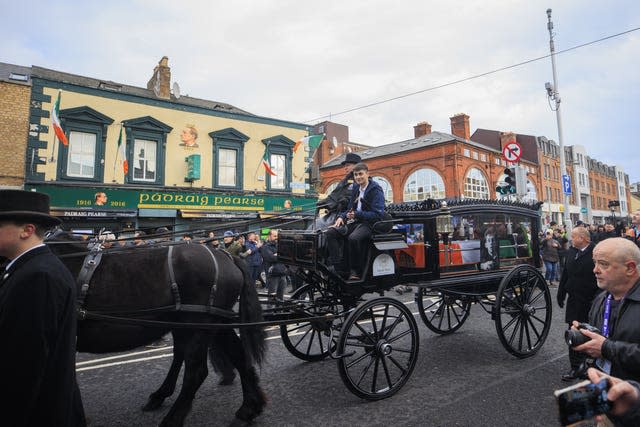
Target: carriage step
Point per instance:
(340, 356)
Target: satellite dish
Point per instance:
(176, 90)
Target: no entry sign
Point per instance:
(512, 151)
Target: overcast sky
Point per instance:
(302, 60)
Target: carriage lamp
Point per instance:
(443, 222)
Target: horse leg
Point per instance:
(221, 365)
(169, 384)
(253, 398)
(195, 372)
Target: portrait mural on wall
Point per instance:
(189, 136)
(100, 198)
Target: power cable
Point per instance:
(476, 76)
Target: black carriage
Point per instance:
(457, 253)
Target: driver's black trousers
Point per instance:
(357, 236)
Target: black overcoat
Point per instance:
(38, 335)
(579, 282)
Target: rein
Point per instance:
(88, 315)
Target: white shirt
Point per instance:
(360, 197)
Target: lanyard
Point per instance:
(606, 315)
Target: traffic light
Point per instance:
(508, 186)
(515, 181)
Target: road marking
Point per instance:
(124, 362)
(121, 356)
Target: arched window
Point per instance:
(475, 185)
(386, 187)
(423, 184)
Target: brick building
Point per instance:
(15, 86)
(434, 164)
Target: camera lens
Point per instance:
(574, 338)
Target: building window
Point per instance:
(144, 160)
(82, 155)
(279, 168)
(531, 195)
(227, 167)
(483, 157)
(497, 161)
(386, 188)
(424, 184)
(279, 151)
(83, 158)
(475, 155)
(475, 185)
(466, 152)
(228, 156)
(146, 138)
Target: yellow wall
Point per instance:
(175, 166)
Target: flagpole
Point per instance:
(115, 162)
(55, 138)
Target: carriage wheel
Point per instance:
(378, 346)
(310, 341)
(522, 311)
(442, 313)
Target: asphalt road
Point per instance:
(463, 379)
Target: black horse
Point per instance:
(139, 280)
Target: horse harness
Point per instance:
(94, 257)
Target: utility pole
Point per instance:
(552, 92)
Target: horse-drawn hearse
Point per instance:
(456, 253)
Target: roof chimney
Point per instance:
(507, 137)
(460, 126)
(421, 129)
(161, 80)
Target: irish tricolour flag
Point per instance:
(312, 141)
(55, 121)
(266, 164)
(122, 153)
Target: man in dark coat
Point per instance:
(616, 312)
(579, 282)
(37, 320)
(366, 207)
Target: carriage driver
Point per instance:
(37, 319)
(365, 208)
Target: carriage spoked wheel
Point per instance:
(442, 313)
(310, 340)
(377, 348)
(522, 311)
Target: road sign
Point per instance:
(566, 184)
(583, 210)
(512, 151)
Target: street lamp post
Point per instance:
(554, 94)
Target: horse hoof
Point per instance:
(237, 422)
(152, 404)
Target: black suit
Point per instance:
(38, 333)
(579, 282)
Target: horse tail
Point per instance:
(253, 337)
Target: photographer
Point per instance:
(579, 283)
(625, 397)
(615, 312)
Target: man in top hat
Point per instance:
(37, 319)
(339, 198)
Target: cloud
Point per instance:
(298, 61)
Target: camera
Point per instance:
(582, 401)
(575, 338)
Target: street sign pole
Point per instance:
(556, 97)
